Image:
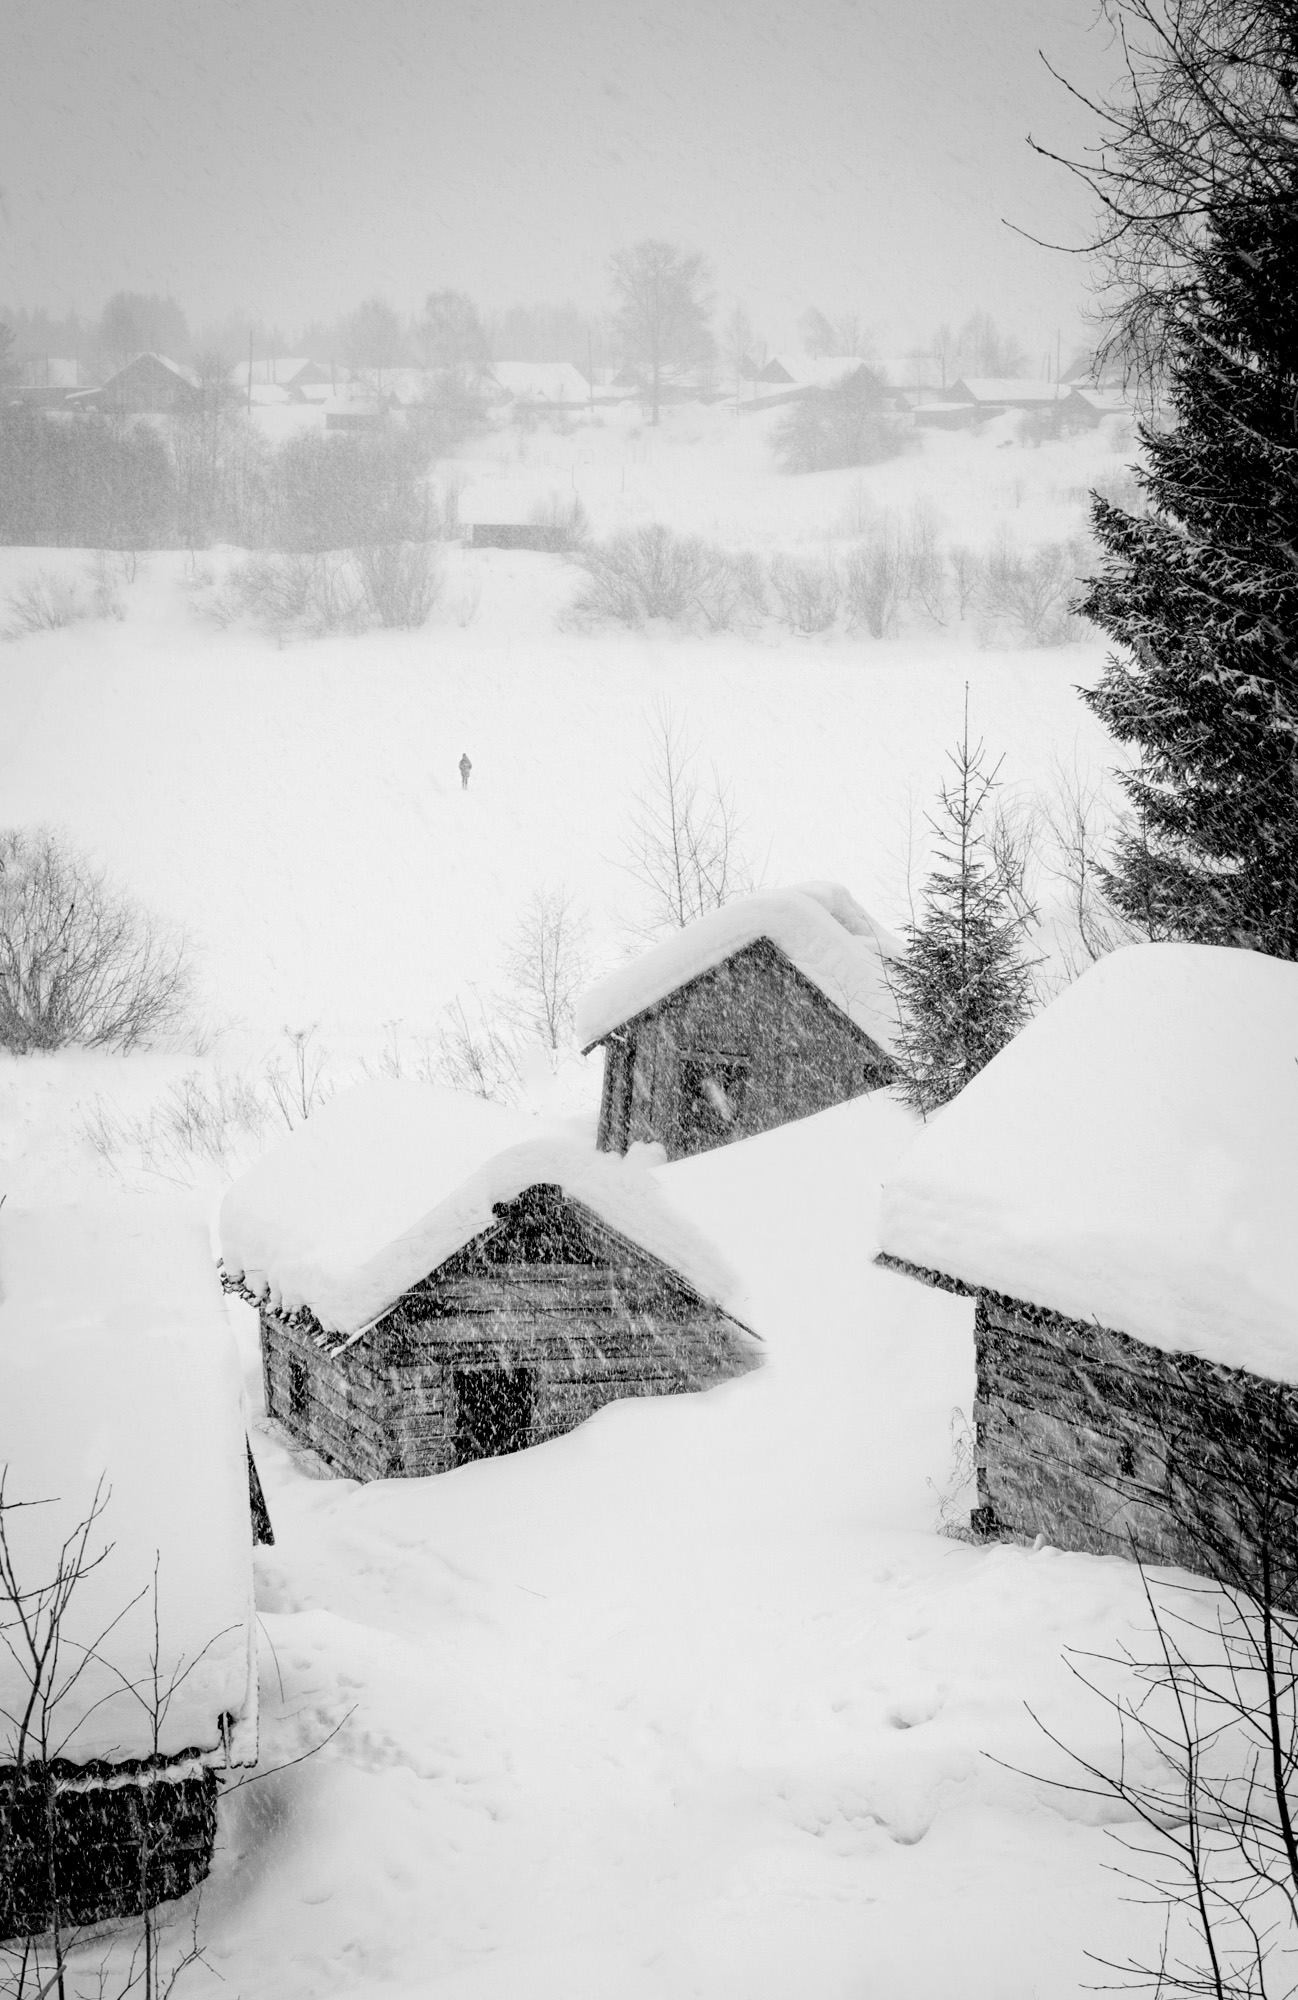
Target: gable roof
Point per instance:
(813, 371)
(1004, 390)
(117, 1362)
(387, 1181)
(163, 361)
(542, 381)
(1130, 1158)
(818, 926)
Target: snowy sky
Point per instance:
(293, 156)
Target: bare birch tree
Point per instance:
(685, 847)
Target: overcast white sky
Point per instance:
(291, 157)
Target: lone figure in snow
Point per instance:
(465, 768)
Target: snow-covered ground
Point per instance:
(696, 1700)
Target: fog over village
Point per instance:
(648, 1009)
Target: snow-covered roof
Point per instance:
(823, 371)
(177, 368)
(542, 381)
(1006, 389)
(388, 1180)
(826, 934)
(1131, 1158)
(117, 1363)
(1110, 402)
(273, 370)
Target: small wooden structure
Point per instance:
(767, 1009)
(1117, 1190)
(150, 384)
(517, 514)
(122, 1413)
(430, 1294)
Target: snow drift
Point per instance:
(1131, 1158)
(388, 1180)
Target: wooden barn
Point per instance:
(767, 1009)
(1118, 1191)
(435, 1288)
(125, 1528)
(150, 384)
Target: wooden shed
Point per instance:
(434, 1290)
(148, 384)
(127, 1533)
(1118, 1191)
(767, 1009)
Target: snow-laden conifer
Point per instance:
(964, 988)
(1201, 594)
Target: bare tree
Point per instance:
(740, 346)
(80, 963)
(45, 1873)
(662, 311)
(684, 847)
(1080, 829)
(548, 965)
(1204, 120)
(1206, 1710)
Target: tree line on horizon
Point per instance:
(451, 330)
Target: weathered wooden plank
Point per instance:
(1102, 1442)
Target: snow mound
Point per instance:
(387, 1181)
(117, 1364)
(825, 933)
(1130, 1158)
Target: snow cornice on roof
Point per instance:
(823, 932)
(1130, 1159)
(388, 1181)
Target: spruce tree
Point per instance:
(1201, 594)
(964, 988)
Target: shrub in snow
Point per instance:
(308, 594)
(964, 567)
(847, 424)
(650, 572)
(80, 963)
(44, 602)
(471, 1053)
(1030, 595)
(809, 593)
(401, 582)
(565, 521)
(964, 988)
(346, 491)
(875, 580)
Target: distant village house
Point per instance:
(148, 385)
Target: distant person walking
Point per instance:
(465, 768)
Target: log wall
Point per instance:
(114, 1849)
(1100, 1442)
(589, 1314)
(802, 1055)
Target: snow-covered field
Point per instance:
(696, 1700)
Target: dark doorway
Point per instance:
(493, 1412)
